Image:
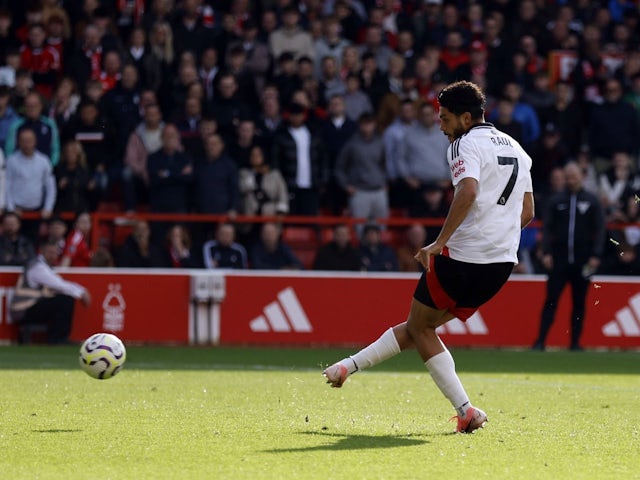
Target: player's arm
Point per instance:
(463, 199)
(528, 209)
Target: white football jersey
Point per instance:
(491, 231)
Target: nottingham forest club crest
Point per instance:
(113, 307)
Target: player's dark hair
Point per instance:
(461, 97)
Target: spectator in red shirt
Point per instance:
(76, 251)
(40, 59)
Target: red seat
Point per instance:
(299, 236)
(306, 256)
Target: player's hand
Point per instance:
(46, 214)
(86, 299)
(547, 261)
(424, 254)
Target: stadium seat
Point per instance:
(300, 236)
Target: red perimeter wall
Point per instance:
(311, 308)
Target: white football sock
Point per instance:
(383, 348)
(443, 371)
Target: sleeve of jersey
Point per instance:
(463, 161)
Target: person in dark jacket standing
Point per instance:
(217, 190)
(170, 175)
(298, 153)
(573, 242)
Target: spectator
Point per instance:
(188, 121)
(615, 185)
(356, 101)
(64, 103)
(430, 202)
(45, 129)
(373, 82)
(422, 156)
(394, 78)
(393, 139)
(224, 252)
(331, 44)
(270, 253)
(477, 66)
(97, 138)
(148, 65)
(338, 254)
(375, 255)
(216, 180)
(375, 47)
(360, 171)
(170, 173)
(176, 252)
(613, 127)
(76, 188)
(189, 31)
(121, 106)
(330, 83)
(58, 28)
(236, 63)
(161, 46)
(269, 119)
(7, 114)
(102, 258)
(8, 40)
(590, 177)
(85, 63)
(549, 152)
(32, 305)
(263, 190)
(15, 248)
(406, 48)
(111, 72)
(454, 55)
(523, 113)
(57, 232)
(287, 80)
(137, 250)
(566, 114)
(245, 139)
(228, 108)
(41, 60)
(337, 129)
(208, 72)
(415, 238)
(300, 156)
(350, 62)
(504, 120)
(258, 59)
(540, 96)
(76, 251)
(145, 140)
(290, 37)
(30, 182)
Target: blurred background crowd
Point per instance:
(308, 107)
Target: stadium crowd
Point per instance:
(308, 107)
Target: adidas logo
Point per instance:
(627, 321)
(284, 315)
(473, 326)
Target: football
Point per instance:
(102, 355)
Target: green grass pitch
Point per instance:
(240, 413)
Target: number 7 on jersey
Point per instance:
(508, 189)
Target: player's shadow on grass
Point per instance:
(355, 442)
(58, 430)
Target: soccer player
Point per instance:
(474, 253)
